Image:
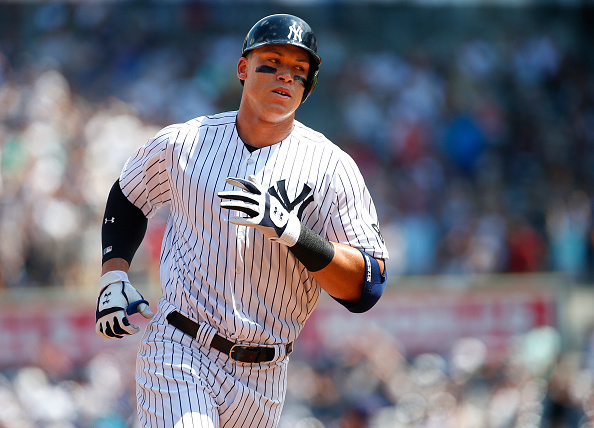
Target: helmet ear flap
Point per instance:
(312, 81)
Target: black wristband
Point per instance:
(313, 251)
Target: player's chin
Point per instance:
(276, 115)
(281, 109)
(286, 102)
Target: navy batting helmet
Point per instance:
(283, 29)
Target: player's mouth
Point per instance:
(282, 92)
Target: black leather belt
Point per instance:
(239, 353)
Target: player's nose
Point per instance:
(284, 74)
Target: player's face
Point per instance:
(274, 77)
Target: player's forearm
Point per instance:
(115, 264)
(351, 276)
(344, 277)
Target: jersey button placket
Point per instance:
(247, 165)
(240, 246)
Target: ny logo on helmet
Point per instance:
(296, 32)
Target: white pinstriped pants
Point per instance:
(180, 383)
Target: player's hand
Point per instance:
(264, 211)
(116, 299)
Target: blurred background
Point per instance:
(473, 125)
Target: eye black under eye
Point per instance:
(265, 69)
(300, 79)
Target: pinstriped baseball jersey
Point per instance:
(231, 277)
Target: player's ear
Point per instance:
(242, 68)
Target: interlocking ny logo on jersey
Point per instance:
(281, 194)
(296, 32)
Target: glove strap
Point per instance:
(112, 277)
(290, 235)
(132, 308)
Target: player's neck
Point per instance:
(259, 133)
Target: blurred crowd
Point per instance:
(486, 161)
(366, 383)
(479, 152)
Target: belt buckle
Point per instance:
(236, 350)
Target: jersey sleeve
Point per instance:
(145, 177)
(354, 221)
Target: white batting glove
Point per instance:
(117, 298)
(265, 212)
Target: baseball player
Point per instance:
(264, 214)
